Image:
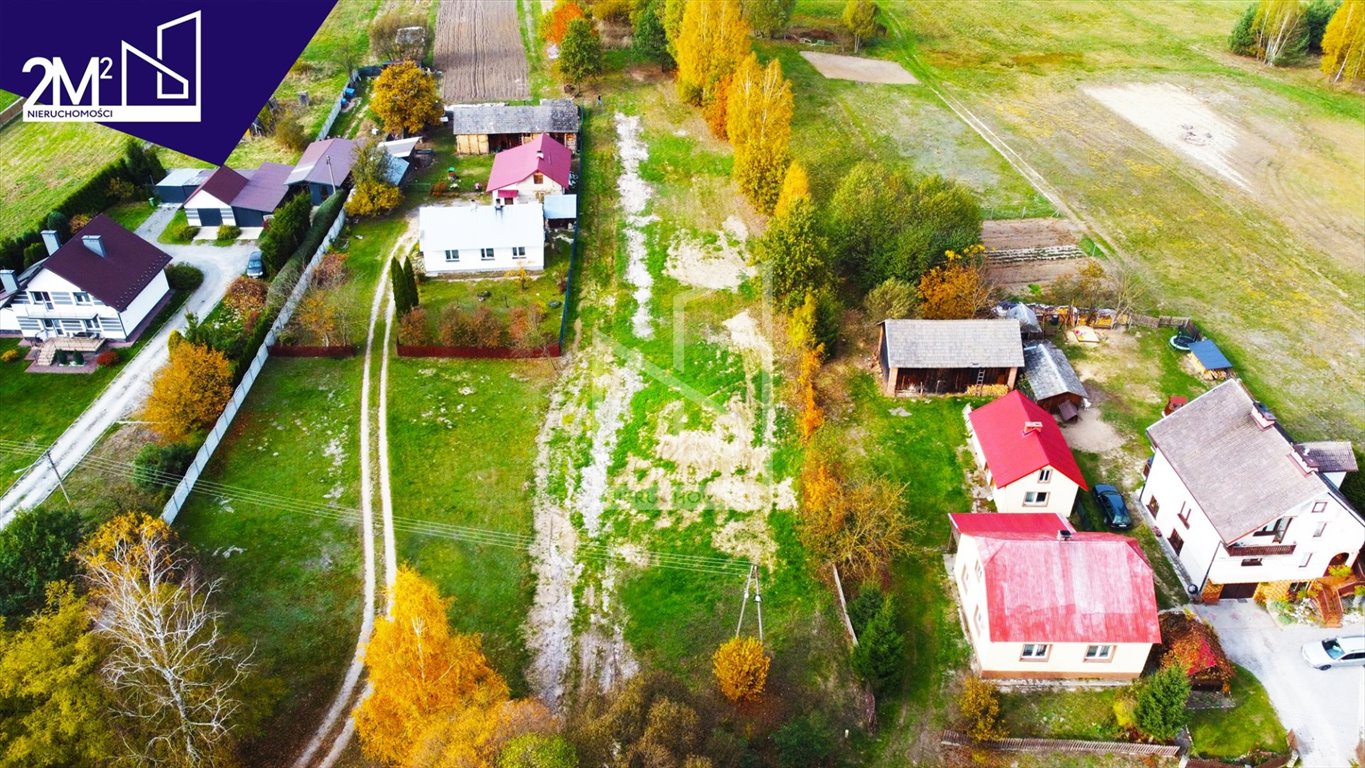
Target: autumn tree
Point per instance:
(712, 39)
(188, 392)
(289, 129)
(580, 54)
(795, 252)
(767, 17)
(958, 289)
(795, 186)
(173, 673)
(758, 124)
(245, 299)
(892, 299)
(556, 23)
(320, 318)
(405, 99)
(1343, 44)
(741, 668)
(1279, 30)
(979, 707)
(649, 721)
(860, 20)
(53, 711)
(857, 523)
(536, 750)
(372, 193)
(812, 415)
(422, 675)
(35, 549)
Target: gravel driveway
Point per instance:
(1325, 709)
(127, 391)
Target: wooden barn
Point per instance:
(481, 129)
(1053, 382)
(942, 357)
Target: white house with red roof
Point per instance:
(1026, 461)
(1042, 601)
(538, 168)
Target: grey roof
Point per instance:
(1329, 455)
(953, 343)
(549, 116)
(1049, 372)
(185, 177)
(313, 166)
(1241, 475)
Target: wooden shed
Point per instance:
(482, 129)
(1210, 361)
(942, 357)
(1052, 381)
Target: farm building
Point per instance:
(1042, 601)
(530, 171)
(237, 198)
(1052, 380)
(482, 238)
(105, 282)
(939, 357)
(1029, 327)
(484, 128)
(180, 183)
(1209, 360)
(1027, 464)
(324, 167)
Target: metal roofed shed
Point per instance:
(1052, 380)
(400, 147)
(325, 165)
(483, 128)
(561, 207)
(180, 183)
(1210, 360)
(948, 356)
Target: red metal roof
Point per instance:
(539, 155)
(1093, 588)
(1048, 523)
(1012, 451)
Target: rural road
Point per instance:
(1325, 709)
(127, 391)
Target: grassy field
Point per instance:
(1263, 261)
(41, 163)
(1252, 724)
(130, 215)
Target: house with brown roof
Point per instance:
(324, 168)
(238, 198)
(104, 282)
(944, 357)
(1241, 503)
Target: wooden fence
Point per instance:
(1063, 746)
(1160, 321)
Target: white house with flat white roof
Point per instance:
(482, 238)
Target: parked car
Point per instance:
(1113, 508)
(255, 267)
(1345, 651)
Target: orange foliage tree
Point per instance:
(811, 414)
(741, 668)
(557, 23)
(189, 392)
(957, 289)
(246, 298)
(859, 524)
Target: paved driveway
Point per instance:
(1325, 709)
(127, 391)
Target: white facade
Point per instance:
(53, 306)
(1305, 537)
(482, 238)
(534, 187)
(1041, 657)
(1044, 490)
(202, 199)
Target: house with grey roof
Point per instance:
(944, 357)
(1052, 381)
(1242, 504)
(481, 129)
(324, 168)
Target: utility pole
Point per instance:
(47, 454)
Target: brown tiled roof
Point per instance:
(128, 266)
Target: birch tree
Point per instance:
(860, 19)
(758, 123)
(712, 39)
(1281, 35)
(1343, 44)
(171, 671)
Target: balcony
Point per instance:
(1258, 550)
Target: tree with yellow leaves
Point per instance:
(189, 392)
(795, 186)
(423, 677)
(956, 290)
(759, 125)
(1343, 44)
(741, 668)
(712, 39)
(405, 99)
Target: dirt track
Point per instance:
(478, 47)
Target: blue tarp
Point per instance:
(1209, 355)
(397, 167)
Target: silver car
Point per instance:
(1346, 651)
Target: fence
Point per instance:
(11, 112)
(336, 109)
(220, 427)
(1160, 321)
(1064, 746)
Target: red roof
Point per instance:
(539, 155)
(1014, 451)
(1048, 523)
(1093, 588)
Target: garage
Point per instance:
(180, 183)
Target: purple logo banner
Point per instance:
(190, 75)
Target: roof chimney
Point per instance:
(1032, 426)
(95, 243)
(51, 240)
(540, 154)
(7, 282)
(1063, 535)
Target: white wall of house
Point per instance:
(1059, 660)
(1045, 490)
(529, 189)
(67, 312)
(473, 259)
(1317, 536)
(205, 200)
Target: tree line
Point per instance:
(1285, 32)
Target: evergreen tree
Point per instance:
(1242, 41)
(580, 53)
(879, 656)
(795, 252)
(1316, 15)
(410, 282)
(399, 282)
(56, 220)
(35, 548)
(1161, 711)
(651, 38)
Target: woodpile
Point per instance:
(479, 52)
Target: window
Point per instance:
(1044, 475)
(486, 254)
(1035, 498)
(1034, 652)
(1307, 558)
(979, 572)
(1184, 514)
(93, 324)
(519, 252)
(1318, 531)
(1099, 652)
(1153, 506)
(40, 297)
(1275, 529)
(1177, 543)
(452, 255)
(1319, 506)
(539, 178)
(1248, 562)
(82, 298)
(976, 619)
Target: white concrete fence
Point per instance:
(220, 428)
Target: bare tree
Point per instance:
(172, 671)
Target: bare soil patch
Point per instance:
(1010, 234)
(1017, 277)
(479, 50)
(858, 69)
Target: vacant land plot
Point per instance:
(480, 53)
(858, 69)
(1008, 234)
(42, 163)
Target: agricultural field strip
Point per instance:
(479, 51)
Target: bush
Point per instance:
(34, 253)
(439, 188)
(1124, 718)
(122, 189)
(161, 466)
(184, 233)
(228, 233)
(34, 550)
(107, 358)
(805, 742)
(1161, 712)
(879, 657)
(487, 331)
(741, 668)
(892, 299)
(78, 358)
(979, 706)
(9, 356)
(413, 329)
(454, 329)
(184, 277)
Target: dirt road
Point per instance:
(479, 50)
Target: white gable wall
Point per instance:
(528, 189)
(471, 259)
(73, 318)
(1060, 489)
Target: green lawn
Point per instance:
(1231, 733)
(505, 293)
(42, 163)
(7, 98)
(177, 221)
(131, 215)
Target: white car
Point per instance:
(1335, 652)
